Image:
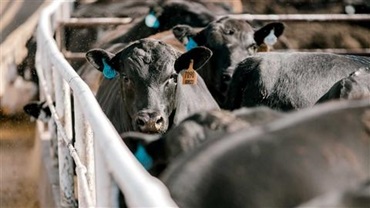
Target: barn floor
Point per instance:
(19, 164)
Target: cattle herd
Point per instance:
(207, 106)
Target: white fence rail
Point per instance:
(100, 149)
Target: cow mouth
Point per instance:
(153, 132)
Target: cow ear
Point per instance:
(101, 60)
(269, 33)
(185, 34)
(200, 56)
(38, 110)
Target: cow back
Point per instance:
(283, 164)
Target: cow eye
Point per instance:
(253, 47)
(174, 78)
(229, 31)
(125, 78)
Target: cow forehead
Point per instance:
(229, 31)
(148, 59)
(236, 24)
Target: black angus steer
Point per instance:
(161, 17)
(142, 89)
(192, 132)
(167, 14)
(282, 164)
(231, 41)
(355, 86)
(287, 81)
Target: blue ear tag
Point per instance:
(143, 157)
(191, 44)
(108, 72)
(151, 21)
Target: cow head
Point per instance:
(162, 17)
(231, 41)
(172, 13)
(147, 72)
(38, 110)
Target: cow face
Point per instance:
(38, 110)
(147, 73)
(231, 41)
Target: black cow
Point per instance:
(167, 14)
(231, 41)
(143, 93)
(282, 164)
(287, 81)
(161, 17)
(156, 151)
(355, 86)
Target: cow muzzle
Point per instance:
(149, 122)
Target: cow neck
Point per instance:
(122, 98)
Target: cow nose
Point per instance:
(149, 122)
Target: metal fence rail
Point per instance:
(303, 17)
(89, 22)
(99, 148)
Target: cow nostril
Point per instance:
(159, 121)
(140, 122)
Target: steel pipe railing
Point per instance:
(89, 22)
(302, 17)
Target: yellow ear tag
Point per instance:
(189, 76)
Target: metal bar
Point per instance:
(90, 159)
(63, 106)
(80, 148)
(83, 145)
(301, 17)
(361, 51)
(74, 55)
(104, 182)
(80, 169)
(96, 21)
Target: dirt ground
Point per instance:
(19, 164)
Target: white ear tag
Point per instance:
(271, 39)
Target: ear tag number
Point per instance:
(189, 76)
(271, 39)
(190, 44)
(108, 72)
(143, 157)
(151, 21)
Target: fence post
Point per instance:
(66, 172)
(106, 189)
(85, 148)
